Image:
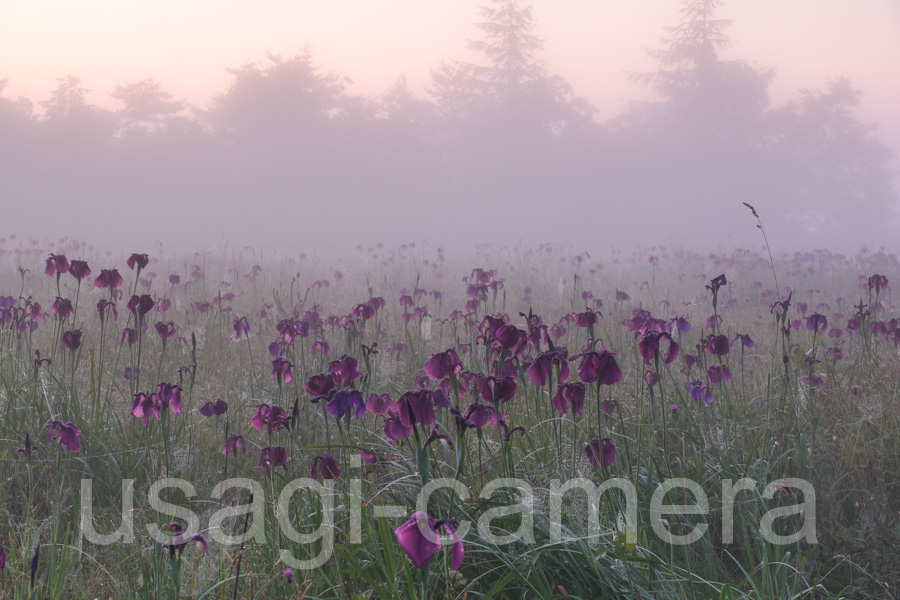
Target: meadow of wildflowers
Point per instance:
(515, 423)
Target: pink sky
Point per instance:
(186, 45)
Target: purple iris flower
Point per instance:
(835, 352)
(241, 327)
(71, 340)
(489, 325)
(681, 324)
(600, 452)
(781, 307)
(368, 458)
(442, 364)
(163, 305)
(233, 443)
(718, 373)
(272, 418)
(698, 391)
(369, 350)
(814, 382)
(716, 283)
(35, 312)
(130, 335)
(289, 329)
(649, 347)
(165, 329)
(327, 466)
(62, 308)
(816, 322)
(435, 436)
(599, 366)
(40, 362)
(141, 305)
(380, 403)
(477, 415)
(79, 269)
(394, 429)
(272, 456)
(569, 394)
(416, 407)
(320, 346)
(363, 311)
(717, 345)
(498, 389)
(344, 370)
(344, 401)
(57, 264)
(876, 282)
(66, 435)
(745, 338)
(219, 407)
(104, 307)
(420, 539)
(145, 406)
(169, 396)
(557, 331)
(108, 278)
(177, 542)
(586, 319)
(509, 338)
(481, 275)
(187, 370)
(319, 385)
(140, 260)
(541, 366)
(282, 371)
(642, 321)
(507, 432)
(608, 406)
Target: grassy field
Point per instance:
(665, 424)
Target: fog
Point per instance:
(492, 146)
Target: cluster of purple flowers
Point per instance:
(154, 404)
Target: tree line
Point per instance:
(489, 143)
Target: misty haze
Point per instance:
(493, 148)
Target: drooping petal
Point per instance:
(417, 546)
(458, 550)
(559, 401)
(380, 403)
(607, 451)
